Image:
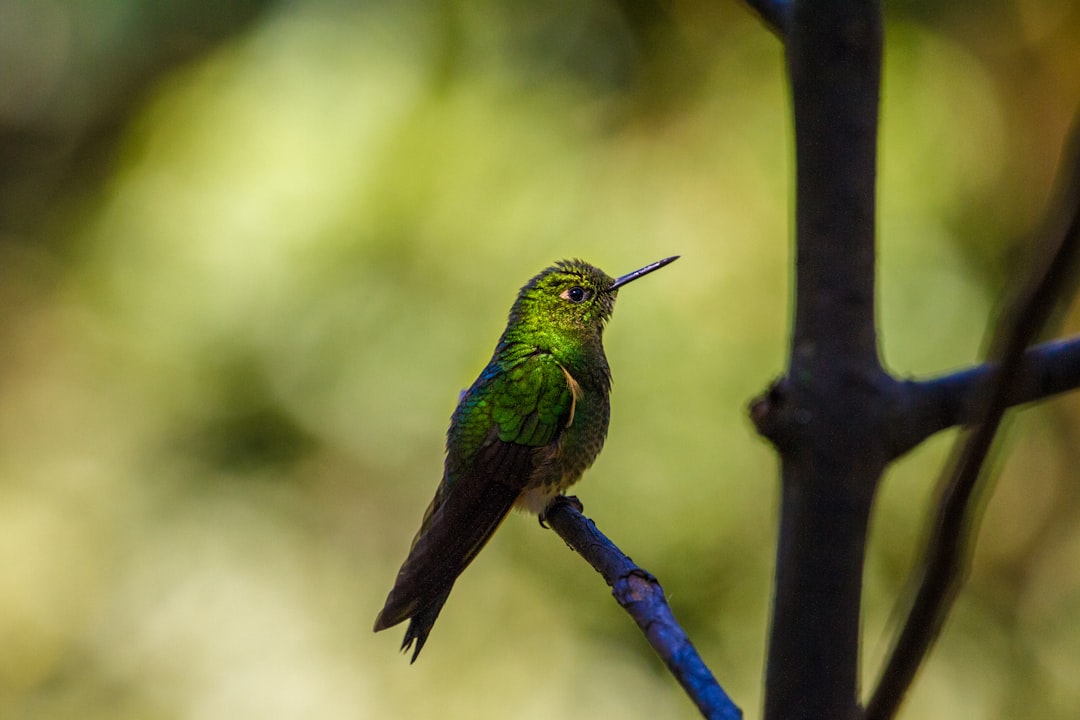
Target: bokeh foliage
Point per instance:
(249, 252)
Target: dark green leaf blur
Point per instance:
(250, 252)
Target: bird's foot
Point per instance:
(571, 500)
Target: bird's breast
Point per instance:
(561, 464)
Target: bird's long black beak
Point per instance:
(628, 277)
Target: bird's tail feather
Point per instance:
(457, 531)
(420, 625)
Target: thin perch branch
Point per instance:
(639, 593)
(955, 525)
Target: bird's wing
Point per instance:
(493, 447)
(533, 401)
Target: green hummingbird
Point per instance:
(526, 430)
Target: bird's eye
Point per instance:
(575, 294)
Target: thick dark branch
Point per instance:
(827, 415)
(775, 14)
(640, 594)
(929, 406)
(955, 525)
(834, 63)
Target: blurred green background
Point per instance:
(251, 251)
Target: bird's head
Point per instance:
(569, 301)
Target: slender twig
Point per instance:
(954, 528)
(639, 593)
(775, 14)
(929, 406)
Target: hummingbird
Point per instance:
(528, 427)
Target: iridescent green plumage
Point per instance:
(526, 430)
